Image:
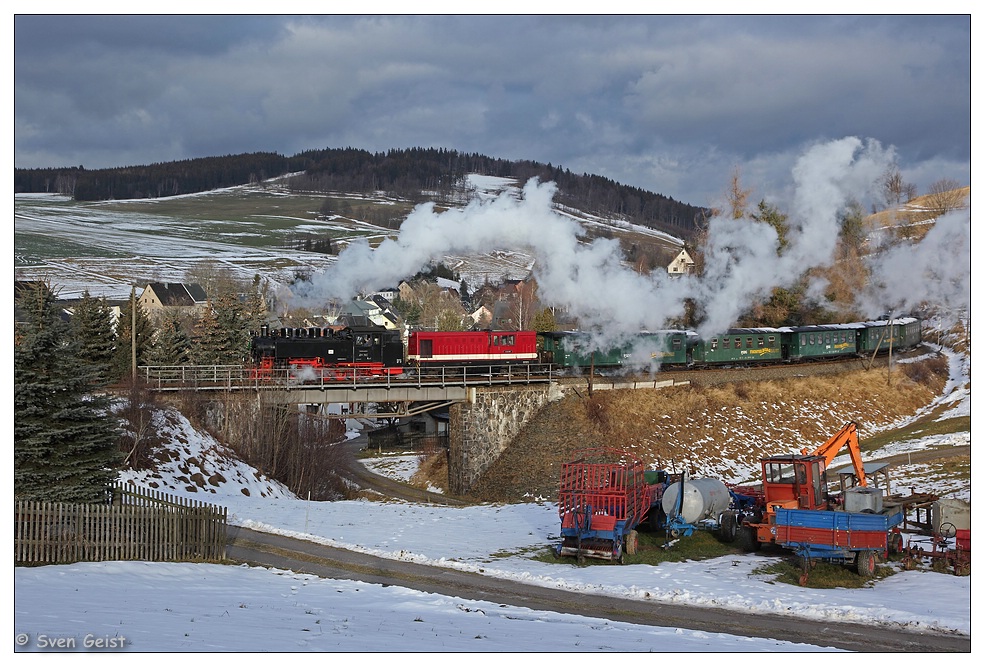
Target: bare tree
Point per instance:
(138, 436)
(737, 200)
(895, 189)
(439, 308)
(523, 305)
(736, 197)
(215, 278)
(945, 195)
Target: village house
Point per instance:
(158, 299)
(677, 263)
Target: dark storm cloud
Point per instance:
(666, 103)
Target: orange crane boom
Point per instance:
(847, 436)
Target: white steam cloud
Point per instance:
(594, 283)
(935, 271)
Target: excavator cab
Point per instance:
(795, 482)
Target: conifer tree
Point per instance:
(64, 439)
(171, 344)
(221, 335)
(544, 321)
(92, 326)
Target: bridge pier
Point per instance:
(485, 424)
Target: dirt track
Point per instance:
(306, 557)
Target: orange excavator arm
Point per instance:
(847, 436)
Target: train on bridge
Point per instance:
(371, 351)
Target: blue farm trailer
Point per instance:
(857, 527)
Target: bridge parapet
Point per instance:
(242, 378)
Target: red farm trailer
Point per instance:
(604, 496)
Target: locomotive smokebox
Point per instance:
(703, 498)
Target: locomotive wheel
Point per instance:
(865, 563)
(632, 542)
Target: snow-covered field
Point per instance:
(204, 607)
(96, 246)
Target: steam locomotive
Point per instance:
(364, 351)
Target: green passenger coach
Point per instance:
(900, 333)
(823, 341)
(739, 346)
(576, 349)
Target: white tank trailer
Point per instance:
(703, 498)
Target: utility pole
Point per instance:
(889, 364)
(133, 333)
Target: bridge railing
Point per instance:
(233, 377)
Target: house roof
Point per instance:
(178, 294)
(667, 255)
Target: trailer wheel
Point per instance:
(865, 563)
(895, 544)
(728, 528)
(748, 541)
(632, 542)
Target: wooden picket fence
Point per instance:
(134, 524)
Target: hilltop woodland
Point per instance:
(415, 174)
(70, 436)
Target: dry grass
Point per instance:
(433, 471)
(915, 219)
(719, 431)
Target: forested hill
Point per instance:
(415, 174)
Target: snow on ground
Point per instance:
(206, 607)
(92, 246)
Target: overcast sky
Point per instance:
(670, 104)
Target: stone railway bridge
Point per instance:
(486, 409)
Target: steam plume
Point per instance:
(593, 282)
